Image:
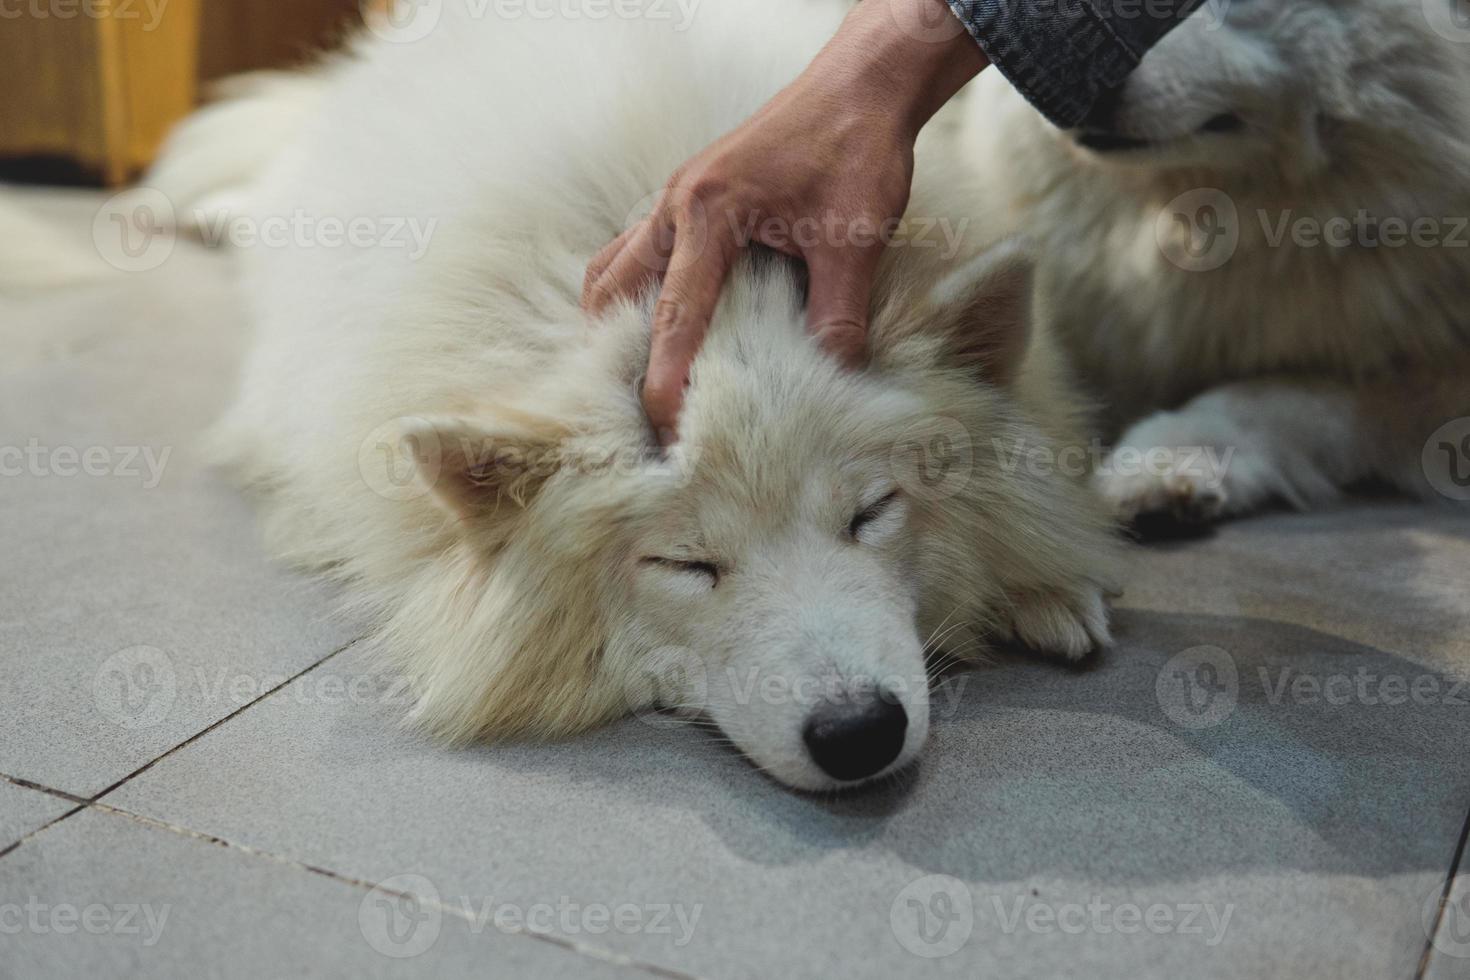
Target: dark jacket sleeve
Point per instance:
(1063, 54)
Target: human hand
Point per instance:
(819, 173)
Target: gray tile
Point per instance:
(1447, 919)
(164, 558)
(23, 811)
(104, 895)
(1091, 821)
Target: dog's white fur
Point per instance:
(1308, 367)
(516, 594)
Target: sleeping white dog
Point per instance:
(450, 437)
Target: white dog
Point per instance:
(1259, 253)
(448, 434)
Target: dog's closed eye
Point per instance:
(870, 518)
(707, 569)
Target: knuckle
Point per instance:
(672, 314)
(845, 337)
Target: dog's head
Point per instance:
(1291, 88)
(783, 571)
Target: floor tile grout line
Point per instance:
(43, 788)
(85, 802)
(220, 721)
(95, 803)
(561, 942)
(1444, 899)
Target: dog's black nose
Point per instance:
(857, 736)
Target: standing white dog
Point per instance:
(1259, 253)
(449, 435)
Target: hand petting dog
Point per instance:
(833, 152)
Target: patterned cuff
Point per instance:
(1061, 61)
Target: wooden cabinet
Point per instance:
(92, 86)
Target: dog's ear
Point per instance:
(474, 465)
(984, 311)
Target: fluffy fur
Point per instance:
(1302, 367)
(453, 439)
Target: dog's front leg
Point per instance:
(1233, 448)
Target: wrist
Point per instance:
(903, 58)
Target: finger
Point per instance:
(837, 300)
(599, 264)
(630, 271)
(698, 269)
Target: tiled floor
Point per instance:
(200, 774)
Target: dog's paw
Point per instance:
(1067, 625)
(1170, 484)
